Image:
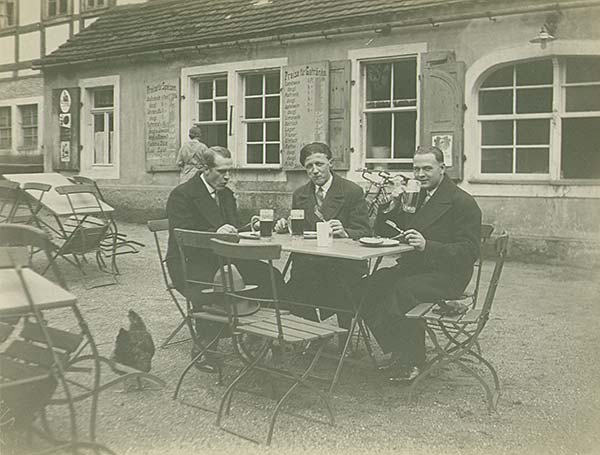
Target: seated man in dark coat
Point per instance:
(204, 203)
(445, 233)
(322, 281)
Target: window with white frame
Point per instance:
(102, 112)
(5, 128)
(389, 111)
(29, 126)
(541, 119)
(55, 8)
(237, 105)
(211, 109)
(262, 117)
(8, 16)
(89, 5)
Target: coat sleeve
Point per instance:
(462, 252)
(358, 219)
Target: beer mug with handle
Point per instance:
(265, 220)
(410, 197)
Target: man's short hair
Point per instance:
(312, 148)
(207, 157)
(435, 151)
(195, 132)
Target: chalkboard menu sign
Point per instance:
(305, 95)
(162, 125)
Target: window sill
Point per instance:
(564, 182)
(273, 168)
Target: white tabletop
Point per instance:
(45, 294)
(340, 248)
(56, 203)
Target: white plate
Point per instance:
(378, 241)
(309, 234)
(249, 235)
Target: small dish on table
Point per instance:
(378, 242)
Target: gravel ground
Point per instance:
(542, 338)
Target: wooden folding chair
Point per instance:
(85, 237)
(455, 336)
(472, 292)
(276, 331)
(157, 227)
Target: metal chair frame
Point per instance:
(20, 197)
(277, 330)
(461, 333)
(156, 227)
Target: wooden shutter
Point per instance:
(442, 107)
(64, 128)
(339, 113)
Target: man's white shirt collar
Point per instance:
(211, 190)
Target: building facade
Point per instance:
(30, 30)
(509, 90)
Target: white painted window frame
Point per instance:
(234, 72)
(87, 166)
(16, 136)
(358, 57)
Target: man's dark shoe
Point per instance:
(204, 363)
(404, 375)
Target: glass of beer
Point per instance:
(265, 220)
(296, 222)
(410, 197)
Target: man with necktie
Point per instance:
(204, 203)
(445, 232)
(320, 281)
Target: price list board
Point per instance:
(305, 94)
(162, 119)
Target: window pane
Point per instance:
(255, 154)
(214, 134)
(534, 73)
(205, 111)
(379, 135)
(4, 117)
(5, 139)
(272, 107)
(497, 132)
(254, 107)
(254, 84)
(273, 131)
(379, 83)
(496, 161)
(496, 102)
(583, 69)
(405, 133)
(103, 97)
(255, 132)
(532, 161)
(272, 153)
(98, 122)
(63, 6)
(502, 77)
(580, 156)
(534, 100)
(405, 82)
(221, 87)
(221, 110)
(272, 82)
(581, 99)
(533, 132)
(205, 90)
(28, 115)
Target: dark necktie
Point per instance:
(319, 196)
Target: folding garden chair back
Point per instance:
(473, 292)
(276, 331)
(158, 229)
(455, 334)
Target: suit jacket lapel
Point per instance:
(440, 203)
(206, 204)
(334, 199)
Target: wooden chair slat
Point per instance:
(61, 339)
(419, 311)
(268, 333)
(34, 354)
(297, 331)
(297, 323)
(471, 316)
(319, 325)
(11, 369)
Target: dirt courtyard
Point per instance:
(543, 339)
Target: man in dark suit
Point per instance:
(204, 203)
(445, 232)
(319, 281)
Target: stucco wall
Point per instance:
(567, 215)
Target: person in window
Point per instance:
(204, 203)
(444, 232)
(188, 158)
(321, 281)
